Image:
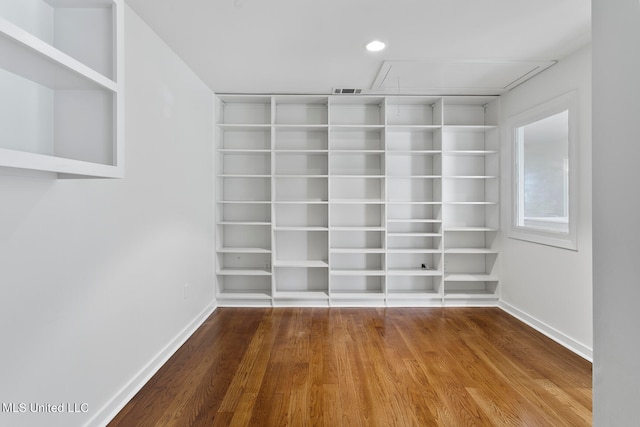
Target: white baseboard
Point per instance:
(562, 339)
(115, 405)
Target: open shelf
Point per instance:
(302, 263)
(301, 111)
(62, 83)
(243, 272)
(336, 199)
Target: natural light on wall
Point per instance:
(544, 187)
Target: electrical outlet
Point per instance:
(186, 291)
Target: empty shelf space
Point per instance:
(28, 56)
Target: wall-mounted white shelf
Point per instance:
(359, 200)
(61, 73)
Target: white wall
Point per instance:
(616, 208)
(548, 287)
(92, 271)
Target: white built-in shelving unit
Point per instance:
(357, 200)
(471, 200)
(61, 80)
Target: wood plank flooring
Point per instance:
(365, 367)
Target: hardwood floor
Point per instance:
(365, 367)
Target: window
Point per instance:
(544, 173)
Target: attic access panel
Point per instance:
(455, 77)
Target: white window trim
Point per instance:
(568, 240)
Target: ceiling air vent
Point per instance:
(345, 91)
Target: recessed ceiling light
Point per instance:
(375, 46)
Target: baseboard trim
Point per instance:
(115, 405)
(562, 339)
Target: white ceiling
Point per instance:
(313, 46)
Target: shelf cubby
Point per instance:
(470, 289)
(241, 213)
(414, 111)
(301, 245)
(250, 163)
(357, 190)
(357, 215)
(301, 215)
(413, 190)
(301, 189)
(413, 164)
(301, 164)
(349, 287)
(81, 30)
(61, 79)
(244, 110)
(244, 287)
(244, 139)
(248, 189)
(402, 140)
(405, 285)
(357, 164)
(365, 263)
(301, 139)
(235, 237)
(301, 283)
(470, 140)
(301, 110)
(411, 262)
(358, 241)
(360, 140)
(365, 111)
(470, 111)
(242, 259)
(470, 267)
(400, 227)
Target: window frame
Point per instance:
(567, 102)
